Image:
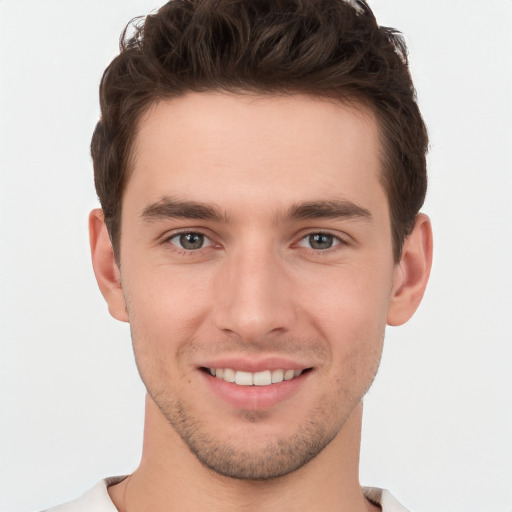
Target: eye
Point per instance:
(190, 241)
(319, 241)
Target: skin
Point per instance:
(258, 291)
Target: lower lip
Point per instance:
(254, 398)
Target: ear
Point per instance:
(411, 273)
(105, 267)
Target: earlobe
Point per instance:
(411, 273)
(105, 267)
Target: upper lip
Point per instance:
(255, 364)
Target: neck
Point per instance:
(170, 474)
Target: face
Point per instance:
(257, 270)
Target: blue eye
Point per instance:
(190, 241)
(319, 241)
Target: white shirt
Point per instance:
(97, 499)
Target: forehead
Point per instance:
(218, 145)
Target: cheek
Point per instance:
(350, 312)
(165, 298)
(165, 310)
(349, 296)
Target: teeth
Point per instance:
(264, 378)
(277, 376)
(243, 378)
(229, 375)
(289, 374)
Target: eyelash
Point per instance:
(187, 252)
(339, 242)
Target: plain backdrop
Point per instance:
(438, 420)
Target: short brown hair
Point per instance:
(332, 48)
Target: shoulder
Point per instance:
(96, 499)
(384, 498)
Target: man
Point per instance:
(260, 166)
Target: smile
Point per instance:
(263, 378)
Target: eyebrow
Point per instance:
(169, 208)
(337, 209)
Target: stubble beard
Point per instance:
(269, 460)
(256, 460)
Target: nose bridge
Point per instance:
(254, 299)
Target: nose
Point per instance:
(254, 296)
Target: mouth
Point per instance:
(255, 385)
(261, 378)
